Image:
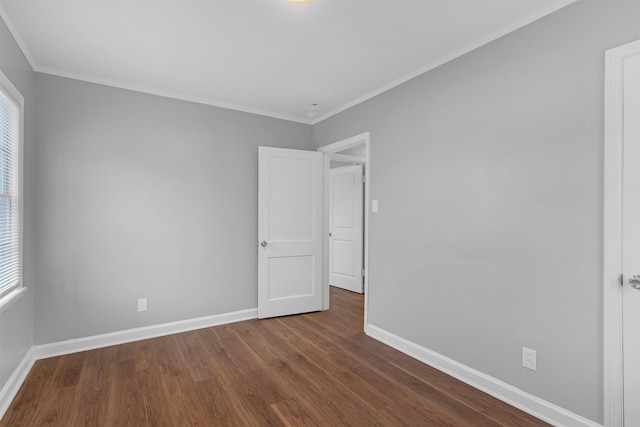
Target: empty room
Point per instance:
(320, 212)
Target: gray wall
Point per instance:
(143, 196)
(489, 174)
(16, 323)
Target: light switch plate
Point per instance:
(374, 206)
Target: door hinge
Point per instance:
(363, 272)
(364, 178)
(621, 279)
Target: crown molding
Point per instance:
(168, 94)
(450, 57)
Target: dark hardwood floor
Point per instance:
(316, 369)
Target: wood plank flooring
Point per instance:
(316, 369)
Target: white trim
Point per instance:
(13, 384)
(326, 291)
(450, 57)
(121, 337)
(44, 351)
(13, 92)
(14, 95)
(613, 156)
(347, 158)
(345, 144)
(168, 94)
(11, 298)
(507, 393)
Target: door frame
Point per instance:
(612, 268)
(332, 151)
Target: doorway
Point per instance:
(350, 151)
(346, 226)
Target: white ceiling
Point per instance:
(269, 57)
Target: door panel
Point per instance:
(346, 226)
(291, 184)
(290, 276)
(344, 258)
(289, 231)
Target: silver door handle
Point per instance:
(264, 245)
(634, 281)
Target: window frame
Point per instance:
(12, 293)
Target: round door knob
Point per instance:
(263, 243)
(634, 282)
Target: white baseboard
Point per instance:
(533, 405)
(522, 400)
(105, 340)
(12, 386)
(43, 351)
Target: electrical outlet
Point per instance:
(529, 359)
(142, 304)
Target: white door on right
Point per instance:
(346, 222)
(631, 237)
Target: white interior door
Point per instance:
(290, 198)
(346, 228)
(631, 239)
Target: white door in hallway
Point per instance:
(346, 228)
(631, 237)
(290, 209)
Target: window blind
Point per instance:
(10, 188)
